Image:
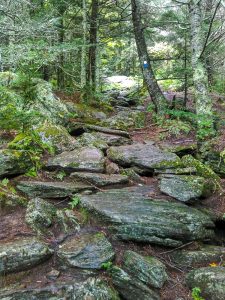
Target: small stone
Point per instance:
(53, 274)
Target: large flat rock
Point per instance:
(100, 179)
(93, 289)
(47, 190)
(88, 159)
(144, 156)
(22, 254)
(135, 216)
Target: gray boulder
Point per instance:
(41, 215)
(14, 162)
(88, 159)
(144, 156)
(210, 280)
(100, 179)
(147, 269)
(22, 254)
(53, 190)
(193, 258)
(88, 251)
(133, 215)
(185, 188)
(130, 288)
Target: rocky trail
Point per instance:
(114, 214)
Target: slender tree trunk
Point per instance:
(93, 44)
(84, 46)
(154, 90)
(61, 38)
(186, 74)
(200, 78)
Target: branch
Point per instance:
(210, 29)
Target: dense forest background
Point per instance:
(76, 44)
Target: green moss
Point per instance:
(202, 170)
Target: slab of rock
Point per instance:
(135, 216)
(102, 140)
(147, 269)
(210, 280)
(144, 156)
(88, 251)
(22, 254)
(204, 256)
(41, 215)
(100, 179)
(177, 171)
(54, 190)
(88, 159)
(131, 288)
(185, 188)
(14, 162)
(93, 289)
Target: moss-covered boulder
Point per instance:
(57, 137)
(88, 251)
(14, 162)
(100, 179)
(145, 157)
(133, 215)
(53, 190)
(210, 280)
(125, 119)
(131, 288)
(22, 254)
(32, 99)
(102, 140)
(41, 216)
(88, 159)
(9, 199)
(185, 188)
(204, 256)
(92, 288)
(147, 269)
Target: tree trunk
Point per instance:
(154, 90)
(200, 79)
(60, 73)
(84, 46)
(93, 44)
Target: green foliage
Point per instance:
(74, 202)
(5, 181)
(196, 294)
(107, 265)
(60, 175)
(205, 128)
(32, 143)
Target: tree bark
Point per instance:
(154, 90)
(84, 46)
(200, 79)
(93, 44)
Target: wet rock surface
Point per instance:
(88, 250)
(135, 216)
